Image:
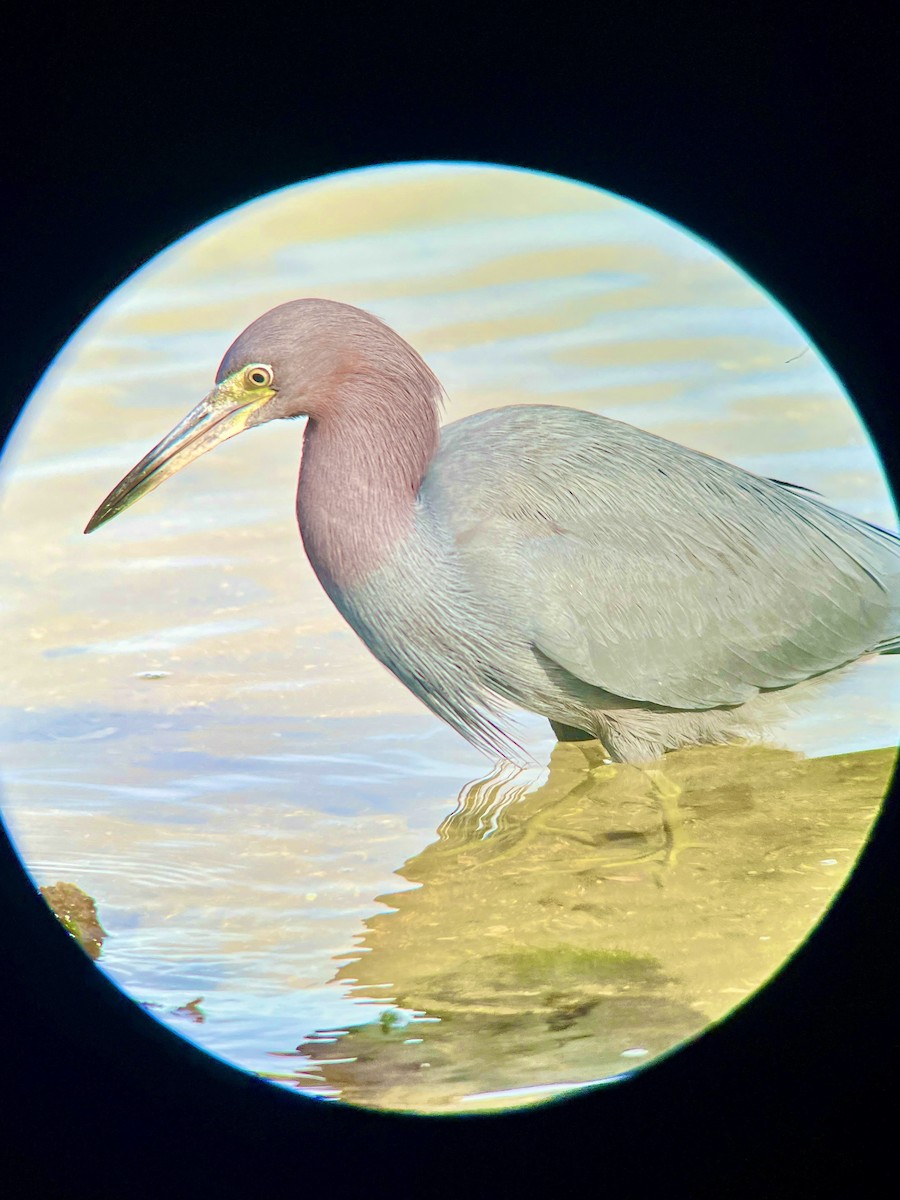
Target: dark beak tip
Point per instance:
(99, 518)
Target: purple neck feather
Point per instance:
(370, 438)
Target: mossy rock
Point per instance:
(77, 911)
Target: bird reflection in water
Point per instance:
(578, 778)
(593, 952)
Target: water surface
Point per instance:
(192, 736)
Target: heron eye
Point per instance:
(259, 376)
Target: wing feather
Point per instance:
(658, 573)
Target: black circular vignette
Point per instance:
(765, 137)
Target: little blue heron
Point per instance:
(625, 587)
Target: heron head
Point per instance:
(290, 362)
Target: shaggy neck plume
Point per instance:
(367, 447)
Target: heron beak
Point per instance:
(224, 413)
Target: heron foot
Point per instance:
(668, 793)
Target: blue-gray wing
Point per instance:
(655, 572)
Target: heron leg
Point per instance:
(539, 824)
(598, 769)
(668, 793)
(484, 808)
(569, 733)
(599, 763)
(675, 839)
